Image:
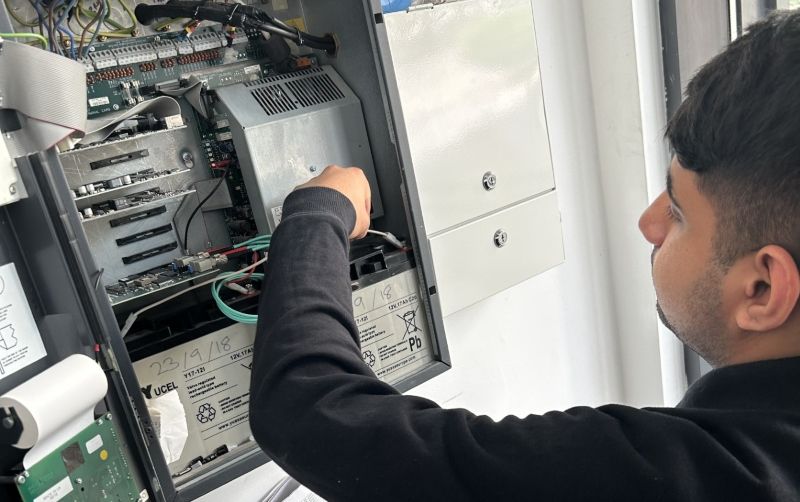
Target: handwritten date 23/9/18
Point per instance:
(193, 357)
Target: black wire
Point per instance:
(212, 192)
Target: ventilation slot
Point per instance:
(314, 90)
(284, 76)
(273, 99)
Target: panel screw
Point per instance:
(187, 159)
(12, 189)
(500, 238)
(489, 181)
(20, 479)
(78, 481)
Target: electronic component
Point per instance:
(90, 466)
(145, 234)
(118, 159)
(103, 59)
(201, 262)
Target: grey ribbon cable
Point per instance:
(48, 90)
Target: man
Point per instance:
(726, 237)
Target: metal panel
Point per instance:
(471, 95)
(499, 251)
(289, 127)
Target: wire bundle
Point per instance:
(55, 22)
(256, 244)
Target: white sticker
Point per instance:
(392, 327)
(94, 444)
(173, 121)
(277, 214)
(98, 101)
(252, 69)
(56, 492)
(20, 341)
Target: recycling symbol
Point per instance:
(7, 339)
(206, 413)
(368, 358)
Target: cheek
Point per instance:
(669, 271)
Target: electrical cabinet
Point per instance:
(199, 131)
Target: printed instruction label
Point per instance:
(20, 341)
(212, 378)
(392, 327)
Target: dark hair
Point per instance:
(739, 130)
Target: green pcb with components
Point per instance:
(90, 467)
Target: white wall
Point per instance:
(586, 332)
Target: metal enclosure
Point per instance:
(480, 211)
(477, 140)
(288, 129)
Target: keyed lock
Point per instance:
(500, 238)
(489, 181)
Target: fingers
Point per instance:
(353, 184)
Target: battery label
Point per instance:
(392, 327)
(212, 378)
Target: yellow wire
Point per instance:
(26, 35)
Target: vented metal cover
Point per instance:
(287, 128)
(289, 92)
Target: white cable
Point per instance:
(388, 237)
(132, 318)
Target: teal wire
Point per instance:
(229, 312)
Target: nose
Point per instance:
(654, 222)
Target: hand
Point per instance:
(350, 182)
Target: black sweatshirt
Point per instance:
(321, 414)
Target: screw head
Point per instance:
(12, 189)
(500, 238)
(489, 181)
(115, 107)
(20, 479)
(188, 159)
(8, 423)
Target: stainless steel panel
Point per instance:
(289, 128)
(471, 96)
(494, 253)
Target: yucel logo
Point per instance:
(150, 391)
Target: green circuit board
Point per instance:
(157, 59)
(90, 467)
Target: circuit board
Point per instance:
(157, 279)
(89, 467)
(124, 73)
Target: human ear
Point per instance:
(771, 290)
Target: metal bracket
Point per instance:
(11, 188)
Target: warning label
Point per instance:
(391, 323)
(20, 341)
(212, 378)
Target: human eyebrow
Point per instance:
(671, 192)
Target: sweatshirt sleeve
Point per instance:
(321, 414)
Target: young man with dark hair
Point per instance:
(726, 235)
